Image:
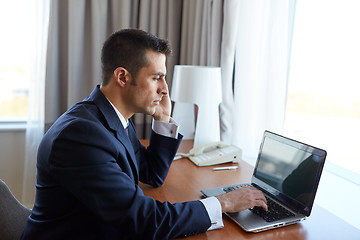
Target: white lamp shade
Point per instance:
(201, 86)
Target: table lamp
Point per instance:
(201, 86)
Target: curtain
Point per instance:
(201, 32)
(255, 58)
(77, 32)
(35, 123)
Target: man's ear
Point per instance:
(122, 76)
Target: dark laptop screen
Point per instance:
(290, 167)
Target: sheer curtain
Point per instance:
(255, 63)
(35, 123)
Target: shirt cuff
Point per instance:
(170, 129)
(213, 208)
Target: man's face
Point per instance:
(150, 85)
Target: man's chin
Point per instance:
(151, 111)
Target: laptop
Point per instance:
(288, 173)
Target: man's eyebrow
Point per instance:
(161, 74)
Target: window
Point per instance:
(323, 106)
(17, 24)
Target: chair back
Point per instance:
(13, 215)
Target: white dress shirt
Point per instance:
(171, 129)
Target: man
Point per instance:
(90, 161)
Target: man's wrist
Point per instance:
(223, 202)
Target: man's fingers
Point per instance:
(261, 203)
(260, 199)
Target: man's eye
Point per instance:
(157, 78)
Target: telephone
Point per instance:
(214, 153)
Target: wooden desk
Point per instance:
(185, 180)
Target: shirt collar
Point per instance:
(123, 121)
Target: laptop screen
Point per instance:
(289, 169)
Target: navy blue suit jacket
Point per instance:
(87, 181)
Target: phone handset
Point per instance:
(207, 148)
(214, 153)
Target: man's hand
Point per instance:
(241, 199)
(163, 110)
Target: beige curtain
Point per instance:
(201, 32)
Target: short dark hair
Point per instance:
(127, 48)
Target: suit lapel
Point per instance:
(115, 125)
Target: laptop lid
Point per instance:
(289, 171)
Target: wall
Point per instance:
(12, 154)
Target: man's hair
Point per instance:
(127, 48)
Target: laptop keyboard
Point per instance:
(232, 188)
(275, 211)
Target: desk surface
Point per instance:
(185, 180)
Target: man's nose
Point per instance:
(163, 87)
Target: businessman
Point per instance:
(90, 161)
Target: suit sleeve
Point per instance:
(84, 162)
(155, 160)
